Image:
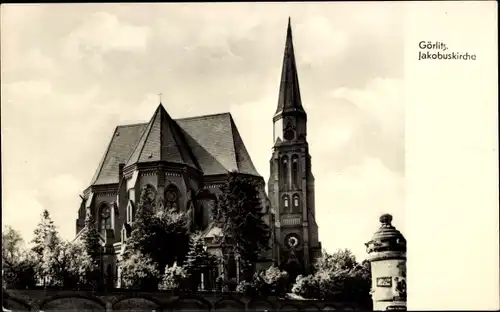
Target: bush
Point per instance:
(246, 288)
(139, 272)
(270, 282)
(175, 278)
(307, 287)
(337, 276)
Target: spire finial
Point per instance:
(159, 96)
(385, 219)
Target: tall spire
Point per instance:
(289, 94)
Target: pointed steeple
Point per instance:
(289, 93)
(163, 140)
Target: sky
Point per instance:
(72, 72)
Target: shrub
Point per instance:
(337, 275)
(174, 278)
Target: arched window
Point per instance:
(105, 217)
(124, 234)
(286, 203)
(284, 172)
(172, 198)
(296, 203)
(130, 212)
(295, 172)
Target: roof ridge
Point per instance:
(203, 116)
(132, 124)
(101, 163)
(175, 119)
(180, 140)
(236, 156)
(235, 133)
(144, 134)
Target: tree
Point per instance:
(270, 282)
(239, 214)
(68, 265)
(44, 228)
(169, 242)
(337, 275)
(198, 261)
(138, 271)
(91, 239)
(141, 226)
(91, 244)
(162, 237)
(18, 265)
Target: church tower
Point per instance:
(291, 182)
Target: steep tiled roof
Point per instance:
(215, 141)
(212, 143)
(121, 146)
(162, 140)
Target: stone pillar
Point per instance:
(387, 255)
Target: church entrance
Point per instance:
(294, 269)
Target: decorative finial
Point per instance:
(159, 96)
(386, 219)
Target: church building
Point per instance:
(183, 163)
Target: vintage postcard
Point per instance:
(250, 156)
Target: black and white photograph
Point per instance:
(205, 156)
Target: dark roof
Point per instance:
(162, 141)
(211, 143)
(289, 92)
(119, 149)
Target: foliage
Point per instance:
(198, 261)
(91, 239)
(44, 233)
(44, 228)
(18, 265)
(246, 288)
(307, 286)
(174, 278)
(337, 275)
(139, 271)
(265, 283)
(169, 243)
(68, 265)
(91, 245)
(239, 214)
(141, 233)
(161, 236)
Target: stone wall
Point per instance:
(119, 300)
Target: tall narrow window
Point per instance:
(130, 212)
(172, 198)
(284, 172)
(286, 204)
(296, 203)
(124, 234)
(105, 216)
(295, 172)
